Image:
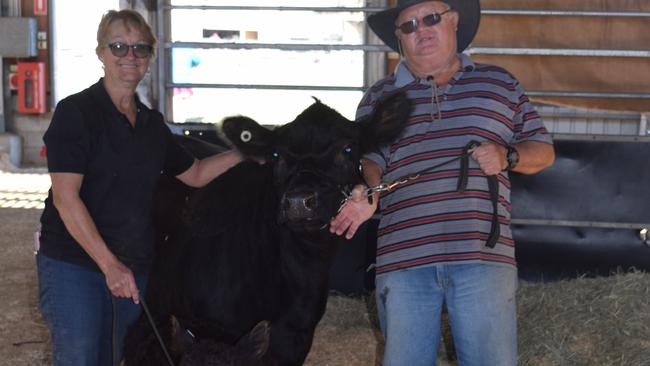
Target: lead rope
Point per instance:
(464, 157)
(155, 330)
(493, 187)
(116, 362)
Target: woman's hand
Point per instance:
(120, 281)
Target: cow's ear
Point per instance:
(248, 136)
(386, 122)
(181, 339)
(255, 344)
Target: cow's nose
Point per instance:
(299, 205)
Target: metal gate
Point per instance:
(371, 51)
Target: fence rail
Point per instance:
(164, 20)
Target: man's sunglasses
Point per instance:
(430, 20)
(140, 50)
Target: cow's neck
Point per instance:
(319, 245)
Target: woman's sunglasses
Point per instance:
(140, 50)
(430, 20)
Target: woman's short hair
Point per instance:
(131, 18)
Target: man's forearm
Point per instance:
(534, 156)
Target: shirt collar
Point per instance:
(403, 75)
(99, 91)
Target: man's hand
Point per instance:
(491, 157)
(354, 212)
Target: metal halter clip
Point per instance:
(378, 188)
(383, 187)
(387, 187)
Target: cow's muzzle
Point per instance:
(298, 206)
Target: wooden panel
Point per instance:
(588, 74)
(582, 5)
(572, 73)
(619, 33)
(580, 74)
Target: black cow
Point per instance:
(254, 244)
(185, 349)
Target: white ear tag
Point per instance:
(245, 136)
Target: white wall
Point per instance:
(75, 64)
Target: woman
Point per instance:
(105, 152)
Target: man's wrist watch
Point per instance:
(512, 157)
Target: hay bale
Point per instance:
(586, 321)
(346, 335)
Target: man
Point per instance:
(444, 235)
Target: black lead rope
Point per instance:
(495, 230)
(155, 330)
(153, 325)
(464, 166)
(493, 187)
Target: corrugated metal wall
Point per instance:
(562, 120)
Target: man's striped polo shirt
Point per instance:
(426, 221)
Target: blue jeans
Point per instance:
(480, 302)
(79, 311)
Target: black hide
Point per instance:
(254, 244)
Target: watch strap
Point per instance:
(512, 157)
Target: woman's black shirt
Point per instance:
(120, 165)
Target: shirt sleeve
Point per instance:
(177, 159)
(364, 110)
(67, 140)
(528, 125)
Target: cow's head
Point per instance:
(316, 157)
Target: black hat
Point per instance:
(469, 11)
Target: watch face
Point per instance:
(512, 157)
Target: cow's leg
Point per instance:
(288, 346)
(293, 333)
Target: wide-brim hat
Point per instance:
(469, 11)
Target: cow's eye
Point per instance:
(347, 149)
(275, 155)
